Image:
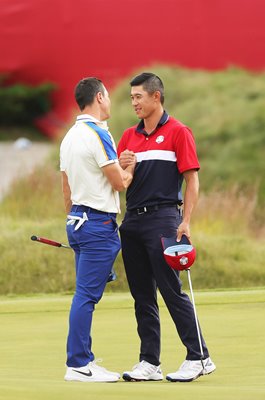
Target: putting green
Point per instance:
(32, 348)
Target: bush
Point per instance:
(20, 104)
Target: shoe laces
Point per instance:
(185, 365)
(95, 365)
(190, 364)
(146, 367)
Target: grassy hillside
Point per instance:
(225, 111)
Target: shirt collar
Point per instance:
(163, 120)
(90, 118)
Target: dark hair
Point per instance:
(150, 82)
(86, 91)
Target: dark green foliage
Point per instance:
(20, 104)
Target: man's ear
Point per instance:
(99, 97)
(157, 95)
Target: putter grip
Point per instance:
(46, 241)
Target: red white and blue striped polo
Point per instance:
(162, 157)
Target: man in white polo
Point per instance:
(91, 180)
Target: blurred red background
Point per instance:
(64, 41)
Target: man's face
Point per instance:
(144, 104)
(105, 106)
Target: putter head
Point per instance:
(178, 255)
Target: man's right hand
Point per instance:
(127, 158)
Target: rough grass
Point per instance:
(230, 247)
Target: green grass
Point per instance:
(33, 334)
(225, 110)
(224, 259)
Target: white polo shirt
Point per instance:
(85, 149)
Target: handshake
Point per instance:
(127, 158)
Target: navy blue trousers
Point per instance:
(146, 271)
(96, 244)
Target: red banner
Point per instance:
(63, 41)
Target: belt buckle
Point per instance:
(141, 212)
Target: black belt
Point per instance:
(80, 208)
(148, 209)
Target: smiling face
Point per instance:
(144, 103)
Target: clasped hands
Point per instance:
(127, 158)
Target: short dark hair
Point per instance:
(86, 91)
(150, 82)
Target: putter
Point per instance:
(112, 275)
(196, 318)
(49, 241)
(180, 262)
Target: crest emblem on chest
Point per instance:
(160, 139)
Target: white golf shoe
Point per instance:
(91, 373)
(143, 371)
(190, 370)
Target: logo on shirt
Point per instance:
(160, 139)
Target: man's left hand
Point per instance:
(183, 229)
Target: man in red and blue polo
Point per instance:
(166, 155)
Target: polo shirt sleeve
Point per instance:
(186, 151)
(104, 150)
